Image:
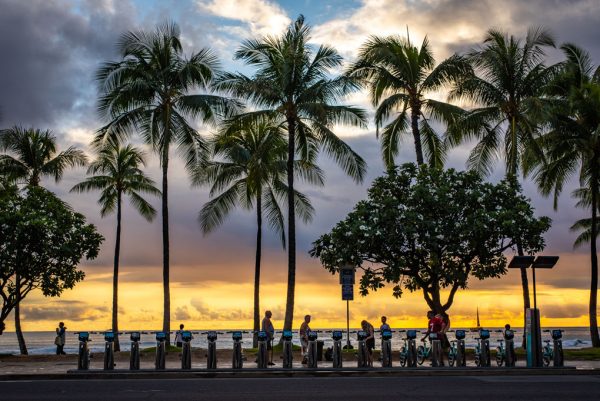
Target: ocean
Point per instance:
(42, 342)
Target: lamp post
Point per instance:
(532, 316)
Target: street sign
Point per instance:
(347, 292)
(347, 275)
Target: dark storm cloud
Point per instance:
(50, 50)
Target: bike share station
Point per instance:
(533, 332)
(409, 354)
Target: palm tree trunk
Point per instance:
(594, 257)
(526, 299)
(417, 135)
(512, 177)
(257, 269)
(165, 232)
(19, 332)
(115, 305)
(291, 287)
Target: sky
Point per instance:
(50, 52)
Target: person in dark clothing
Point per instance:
(370, 340)
(60, 339)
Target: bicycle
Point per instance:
(456, 353)
(424, 350)
(505, 351)
(482, 349)
(553, 352)
(408, 352)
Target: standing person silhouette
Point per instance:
(60, 339)
(304, 330)
(267, 327)
(179, 337)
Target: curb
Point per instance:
(250, 373)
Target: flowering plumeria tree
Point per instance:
(428, 229)
(42, 242)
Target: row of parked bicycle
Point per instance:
(410, 354)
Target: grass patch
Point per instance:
(168, 348)
(584, 354)
(276, 348)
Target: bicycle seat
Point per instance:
(500, 341)
(547, 342)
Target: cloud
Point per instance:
(50, 50)
(75, 311)
(457, 25)
(260, 16)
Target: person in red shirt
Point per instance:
(435, 325)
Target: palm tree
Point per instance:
(117, 173)
(250, 171)
(572, 147)
(507, 89)
(399, 76)
(583, 226)
(293, 86)
(33, 155)
(149, 91)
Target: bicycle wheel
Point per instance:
(499, 356)
(403, 353)
(420, 354)
(546, 359)
(451, 357)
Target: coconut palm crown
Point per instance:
(116, 173)
(249, 170)
(151, 91)
(399, 76)
(33, 155)
(293, 86)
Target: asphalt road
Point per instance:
(488, 388)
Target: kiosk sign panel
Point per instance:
(347, 292)
(347, 275)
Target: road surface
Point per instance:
(488, 388)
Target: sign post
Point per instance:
(347, 273)
(533, 330)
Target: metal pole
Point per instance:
(534, 290)
(348, 324)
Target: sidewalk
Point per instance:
(53, 364)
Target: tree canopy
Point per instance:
(42, 242)
(428, 229)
